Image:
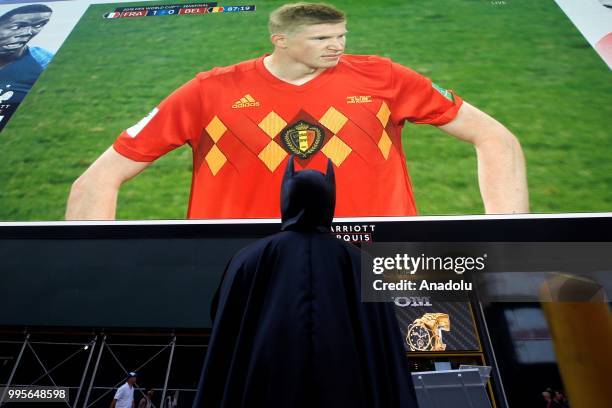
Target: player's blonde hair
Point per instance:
(287, 18)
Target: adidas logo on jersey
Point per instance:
(246, 101)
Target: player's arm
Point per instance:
(501, 164)
(175, 121)
(93, 195)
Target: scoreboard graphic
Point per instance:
(176, 10)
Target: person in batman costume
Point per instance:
(289, 329)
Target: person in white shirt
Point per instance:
(124, 397)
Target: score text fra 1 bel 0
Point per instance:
(179, 9)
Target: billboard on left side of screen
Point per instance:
(31, 33)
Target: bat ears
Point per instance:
(290, 169)
(330, 176)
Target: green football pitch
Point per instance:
(521, 61)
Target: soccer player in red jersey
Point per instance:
(309, 99)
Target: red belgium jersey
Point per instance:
(243, 124)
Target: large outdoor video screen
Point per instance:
(78, 73)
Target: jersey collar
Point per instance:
(317, 81)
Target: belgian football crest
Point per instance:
(302, 139)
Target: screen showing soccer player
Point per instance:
(169, 110)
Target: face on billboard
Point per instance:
(18, 30)
(317, 46)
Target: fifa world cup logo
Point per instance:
(425, 333)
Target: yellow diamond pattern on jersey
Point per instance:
(215, 129)
(336, 150)
(384, 144)
(272, 124)
(383, 114)
(215, 159)
(272, 155)
(333, 120)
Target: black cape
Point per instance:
(289, 327)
